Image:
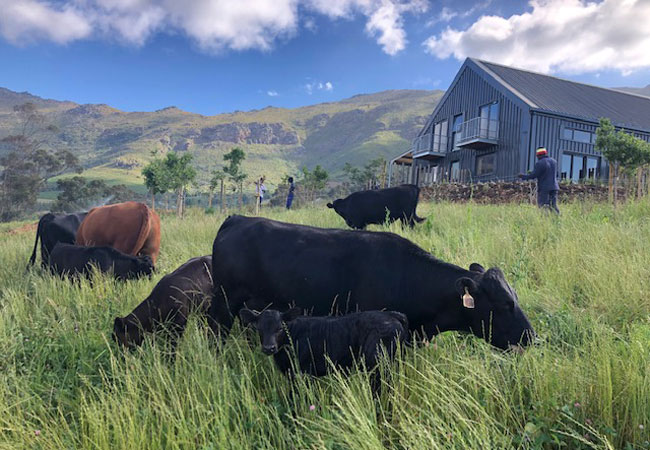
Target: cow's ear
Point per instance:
(290, 315)
(466, 287)
(329, 205)
(476, 267)
(248, 317)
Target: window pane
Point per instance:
(581, 136)
(566, 167)
(485, 164)
(576, 168)
(484, 112)
(567, 134)
(455, 171)
(494, 111)
(592, 168)
(443, 128)
(458, 120)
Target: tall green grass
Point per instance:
(583, 279)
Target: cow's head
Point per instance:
(338, 205)
(491, 308)
(127, 333)
(143, 266)
(270, 326)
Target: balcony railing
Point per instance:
(429, 146)
(478, 132)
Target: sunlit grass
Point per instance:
(582, 278)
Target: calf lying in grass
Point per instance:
(342, 339)
(75, 260)
(187, 289)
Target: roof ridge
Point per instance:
(504, 83)
(644, 97)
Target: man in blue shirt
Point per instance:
(292, 187)
(545, 172)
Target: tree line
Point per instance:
(28, 163)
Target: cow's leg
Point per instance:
(151, 245)
(225, 307)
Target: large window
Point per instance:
(489, 115)
(440, 137)
(585, 137)
(454, 171)
(579, 167)
(485, 164)
(455, 130)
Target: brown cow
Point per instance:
(129, 227)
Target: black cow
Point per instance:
(257, 261)
(186, 289)
(365, 207)
(73, 260)
(343, 340)
(53, 229)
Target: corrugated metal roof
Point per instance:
(573, 99)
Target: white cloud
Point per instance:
(30, 20)
(216, 25)
(272, 93)
(571, 36)
(446, 14)
(319, 86)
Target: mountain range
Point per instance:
(113, 145)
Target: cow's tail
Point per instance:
(145, 228)
(39, 230)
(418, 219)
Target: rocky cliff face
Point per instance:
(249, 133)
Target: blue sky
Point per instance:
(223, 55)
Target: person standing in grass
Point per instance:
(292, 188)
(545, 172)
(260, 189)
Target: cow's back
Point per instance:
(323, 269)
(123, 226)
(375, 206)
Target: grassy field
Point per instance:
(582, 278)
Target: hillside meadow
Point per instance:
(582, 278)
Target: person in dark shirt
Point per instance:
(292, 187)
(545, 172)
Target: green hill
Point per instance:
(114, 145)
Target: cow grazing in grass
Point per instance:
(256, 261)
(53, 229)
(130, 227)
(343, 340)
(376, 206)
(187, 289)
(74, 260)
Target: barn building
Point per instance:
(492, 118)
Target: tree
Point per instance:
(179, 174)
(27, 163)
(217, 179)
(156, 179)
(372, 175)
(234, 159)
(622, 150)
(314, 181)
(79, 194)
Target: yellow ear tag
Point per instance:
(468, 300)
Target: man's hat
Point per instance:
(541, 151)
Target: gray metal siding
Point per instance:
(547, 132)
(470, 93)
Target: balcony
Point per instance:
(478, 133)
(428, 147)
